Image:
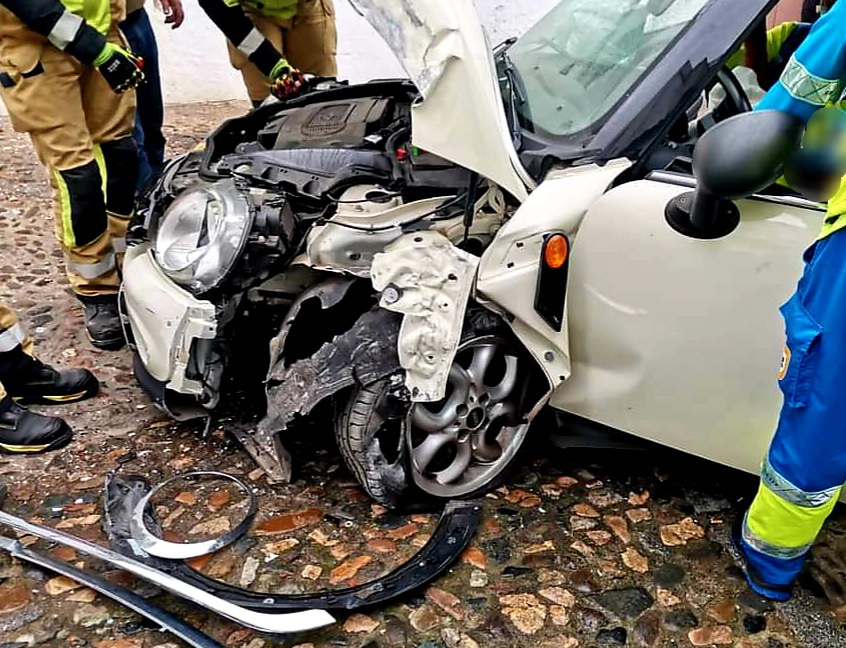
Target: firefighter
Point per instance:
(64, 77)
(24, 379)
(805, 467)
(272, 42)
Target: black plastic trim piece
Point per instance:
(551, 290)
(456, 527)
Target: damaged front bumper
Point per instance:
(168, 327)
(455, 530)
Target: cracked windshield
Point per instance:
(578, 61)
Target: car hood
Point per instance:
(460, 116)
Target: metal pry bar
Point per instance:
(272, 623)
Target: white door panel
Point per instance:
(679, 340)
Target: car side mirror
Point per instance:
(735, 159)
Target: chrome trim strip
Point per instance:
(273, 623)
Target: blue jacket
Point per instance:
(816, 74)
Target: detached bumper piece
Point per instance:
(455, 529)
(165, 620)
(273, 623)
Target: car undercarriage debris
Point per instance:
(265, 622)
(163, 619)
(362, 353)
(154, 545)
(455, 529)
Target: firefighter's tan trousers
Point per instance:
(82, 133)
(12, 335)
(309, 42)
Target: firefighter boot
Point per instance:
(25, 432)
(102, 323)
(29, 380)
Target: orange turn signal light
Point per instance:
(555, 252)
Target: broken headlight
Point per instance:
(202, 234)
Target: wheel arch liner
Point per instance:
(455, 530)
(361, 355)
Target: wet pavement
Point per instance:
(580, 548)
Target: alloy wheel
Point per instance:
(464, 442)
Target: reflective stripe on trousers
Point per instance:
(805, 468)
(93, 270)
(12, 336)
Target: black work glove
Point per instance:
(121, 69)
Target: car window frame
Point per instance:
(673, 82)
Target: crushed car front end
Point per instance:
(276, 202)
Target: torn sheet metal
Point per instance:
(273, 623)
(442, 46)
(335, 246)
(427, 279)
(455, 530)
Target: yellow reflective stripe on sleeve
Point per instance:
(807, 87)
(68, 237)
(779, 523)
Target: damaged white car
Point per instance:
(440, 259)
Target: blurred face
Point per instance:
(818, 167)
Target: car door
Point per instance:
(675, 339)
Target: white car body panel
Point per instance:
(508, 272)
(165, 320)
(675, 339)
(443, 47)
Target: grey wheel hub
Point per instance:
(462, 443)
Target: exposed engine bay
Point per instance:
(266, 216)
(332, 176)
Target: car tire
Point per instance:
(380, 473)
(371, 424)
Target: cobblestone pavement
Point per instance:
(581, 548)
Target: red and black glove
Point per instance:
(121, 69)
(286, 81)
